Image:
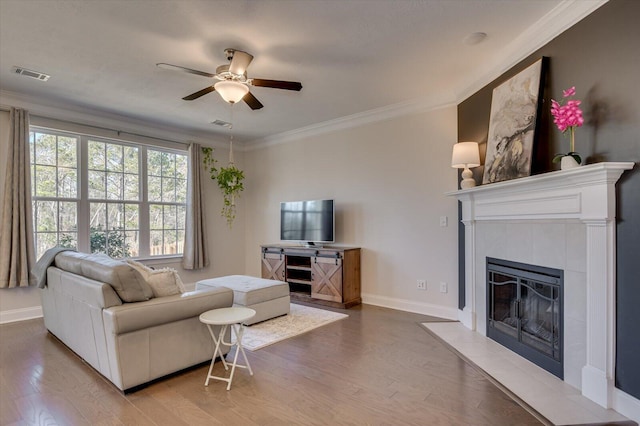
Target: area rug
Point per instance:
(300, 320)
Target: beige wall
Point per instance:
(226, 245)
(388, 180)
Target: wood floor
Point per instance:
(377, 367)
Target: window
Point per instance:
(167, 178)
(106, 196)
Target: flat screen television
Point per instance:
(311, 221)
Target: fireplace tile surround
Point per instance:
(564, 220)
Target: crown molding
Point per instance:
(414, 106)
(109, 124)
(561, 18)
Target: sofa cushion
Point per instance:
(163, 310)
(70, 261)
(163, 282)
(126, 281)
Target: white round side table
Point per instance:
(226, 317)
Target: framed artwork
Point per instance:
(515, 106)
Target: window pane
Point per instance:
(131, 219)
(155, 216)
(168, 190)
(67, 152)
(169, 217)
(67, 182)
(180, 242)
(97, 185)
(156, 243)
(168, 164)
(131, 159)
(132, 240)
(45, 181)
(98, 241)
(68, 216)
(181, 166)
(181, 216)
(170, 239)
(45, 241)
(114, 186)
(116, 245)
(115, 216)
(46, 216)
(154, 163)
(69, 240)
(98, 220)
(45, 149)
(131, 187)
(154, 185)
(181, 190)
(96, 155)
(114, 157)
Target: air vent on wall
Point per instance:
(30, 73)
(221, 123)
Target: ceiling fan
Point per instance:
(233, 84)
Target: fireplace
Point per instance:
(524, 311)
(565, 220)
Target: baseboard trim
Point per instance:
(626, 405)
(411, 306)
(22, 314)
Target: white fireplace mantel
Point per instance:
(585, 194)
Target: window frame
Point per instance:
(83, 201)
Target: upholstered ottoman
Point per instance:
(269, 298)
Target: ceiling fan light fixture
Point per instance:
(231, 91)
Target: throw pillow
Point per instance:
(125, 280)
(163, 282)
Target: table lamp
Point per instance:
(466, 155)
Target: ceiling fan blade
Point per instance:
(199, 93)
(277, 84)
(179, 68)
(240, 62)
(252, 101)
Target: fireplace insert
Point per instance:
(524, 311)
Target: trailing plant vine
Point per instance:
(229, 181)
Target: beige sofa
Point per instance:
(129, 343)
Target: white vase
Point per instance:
(568, 162)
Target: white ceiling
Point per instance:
(352, 56)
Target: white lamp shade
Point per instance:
(465, 154)
(231, 91)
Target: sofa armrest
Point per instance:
(162, 310)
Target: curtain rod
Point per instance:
(118, 132)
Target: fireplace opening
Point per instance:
(525, 311)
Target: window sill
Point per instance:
(160, 260)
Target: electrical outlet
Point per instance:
(422, 284)
(443, 287)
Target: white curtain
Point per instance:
(195, 254)
(17, 253)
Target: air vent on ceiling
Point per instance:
(221, 123)
(30, 73)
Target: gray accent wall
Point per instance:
(600, 55)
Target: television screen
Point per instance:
(309, 221)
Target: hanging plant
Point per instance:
(229, 181)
